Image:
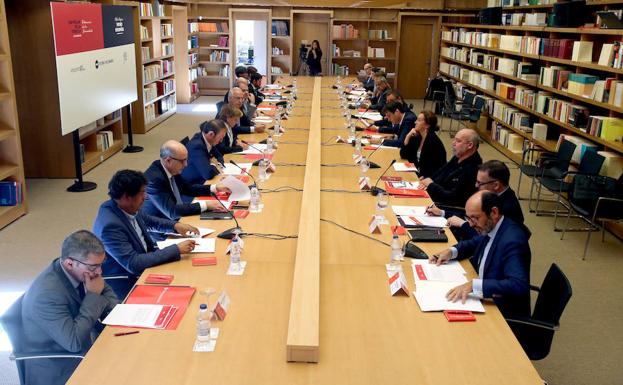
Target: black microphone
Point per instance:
(246, 172)
(372, 164)
(257, 162)
(376, 190)
(360, 118)
(230, 233)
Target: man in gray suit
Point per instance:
(60, 310)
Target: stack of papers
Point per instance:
(258, 148)
(422, 220)
(431, 296)
(262, 119)
(239, 190)
(141, 316)
(231, 169)
(202, 245)
(399, 166)
(452, 271)
(369, 115)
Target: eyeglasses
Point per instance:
(179, 160)
(90, 266)
(479, 184)
(471, 220)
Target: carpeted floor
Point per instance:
(586, 350)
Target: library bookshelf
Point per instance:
(11, 165)
(281, 43)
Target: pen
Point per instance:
(126, 333)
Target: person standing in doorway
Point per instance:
(314, 54)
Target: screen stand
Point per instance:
(131, 147)
(79, 184)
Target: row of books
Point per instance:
(193, 27)
(192, 58)
(378, 34)
(151, 10)
(277, 51)
(194, 88)
(218, 56)
(280, 28)
(214, 27)
(507, 138)
(517, 3)
(166, 29)
(512, 116)
(167, 49)
(151, 72)
(345, 31)
(166, 104)
(193, 73)
(340, 70)
(531, 19)
(158, 88)
(103, 140)
(11, 193)
(223, 42)
(276, 70)
(146, 53)
(193, 42)
(144, 32)
(376, 52)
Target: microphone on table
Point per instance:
(230, 233)
(360, 118)
(246, 172)
(376, 190)
(372, 164)
(257, 162)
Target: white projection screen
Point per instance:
(95, 61)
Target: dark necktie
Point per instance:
(81, 292)
(481, 252)
(176, 191)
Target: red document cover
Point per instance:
(459, 315)
(177, 296)
(163, 279)
(405, 192)
(258, 156)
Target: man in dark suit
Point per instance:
(368, 82)
(246, 126)
(230, 115)
(500, 255)
(204, 159)
(378, 101)
(384, 126)
(455, 182)
(124, 230)
(168, 196)
(60, 310)
(403, 121)
(493, 176)
(255, 83)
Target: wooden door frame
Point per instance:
(232, 22)
(295, 45)
(435, 19)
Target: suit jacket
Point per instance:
(161, 201)
(368, 84)
(259, 97)
(124, 250)
(55, 319)
(199, 167)
(506, 276)
(245, 125)
(432, 156)
(402, 129)
(228, 145)
(378, 102)
(455, 182)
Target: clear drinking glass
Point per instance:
(382, 201)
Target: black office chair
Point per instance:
(185, 140)
(11, 321)
(219, 105)
(535, 333)
(465, 110)
(435, 93)
(596, 199)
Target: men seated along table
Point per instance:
(204, 159)
(230, 115)
(255, 83)
(384, 126)
(168, 195)
(422, 146)
(61, 309)
(403, 123)
(368, 83)
(124, 230)
(378, 101)
(493, 176)
(455, 182)
(246, 126)
(500, 254)
(239, 72)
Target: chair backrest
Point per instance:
(479, 104)
(468, 98)
(565, 153)
(185, 140)
(219, 105)
(450, 94)
(553, 297)
(591, 163)
(11, 322)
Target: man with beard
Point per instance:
(500, 254)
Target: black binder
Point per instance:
(427, 235)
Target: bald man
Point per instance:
(168, 195)
(246, 126)
(500, 254)
(455, 182)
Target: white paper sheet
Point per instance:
(239, 190)
(258, 148)
(424, 220)
(402, 167)
(202, 245)
(431, 296)
(370, 115)
(231, 169)
(409, 210)
(405, 184)
(448, 272)
(134, 315)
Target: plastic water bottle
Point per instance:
(352, 132)
(269, 143)
(263, 166)
(234, 254)
(358, 147)
(396, 253)
(203, 324)
(254, 204)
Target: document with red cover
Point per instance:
(258, 156)
(177, 296)
(402, 189)
(163, 279)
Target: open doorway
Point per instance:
(251, 38)
(309, 26)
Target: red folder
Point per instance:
(258, 156)
(403, 192)
(178, 296)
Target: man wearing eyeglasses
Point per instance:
(493, 176)
(500, 254)
(168, 195)
(237, 99)
(61, 309)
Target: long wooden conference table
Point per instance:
(326, 291)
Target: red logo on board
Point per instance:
(77, 27)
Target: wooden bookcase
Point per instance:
(156, 73)
(281, 42)
(48, 154)
(11, 165)
(215, 60)
(452, 61)
(186, 46)
(377, 29)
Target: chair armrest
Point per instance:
(535, 288)
(529, 150)
(604, 199)
(16, 356)
(534, 323)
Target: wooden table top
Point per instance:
(366, 336)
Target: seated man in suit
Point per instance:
(231, 117)
(493, 176)
(368, 83)
(60, 310)
(255, 83)
(246, 126)
(239, 72)
(403, 123)
(383, 88)
(204, 159)
(500, 254)
(455, 182)
(384, 126)
(124, 230)
(168, 196)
